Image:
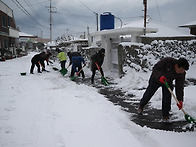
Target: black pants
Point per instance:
(166, 96)
(93, 74)
(43, 65)
(63, 64)
(33, 65)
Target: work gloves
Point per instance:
(180, 104)
(162, 79)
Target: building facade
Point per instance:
(8, 33)
(191, 26)
(27, 41)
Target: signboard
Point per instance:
(24, 39)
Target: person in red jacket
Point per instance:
(167, 69)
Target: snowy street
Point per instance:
(49, 110)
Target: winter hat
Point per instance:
(103, 50)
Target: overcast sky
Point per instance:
(73, 16)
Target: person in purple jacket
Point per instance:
(167, 69)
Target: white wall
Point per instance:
(13, 33)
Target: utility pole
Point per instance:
(68, 34)
(97, 20)
(41, 36)
(51, 10)
(145, 13)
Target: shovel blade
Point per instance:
(104, 81)
(50, 62)
(55, 68)
(72, 78)
(190, 119)
(63, 71)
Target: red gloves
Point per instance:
(77, 73)
(84, 64)
(180, 104)
(162, 79)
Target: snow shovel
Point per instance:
(56, 69)
(50, 62)
(63, 71)
(74, 77)
(103, 79)
(187, 117)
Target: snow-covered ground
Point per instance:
(49, 110)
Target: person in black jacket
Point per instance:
(45, 58)
(167, 69)
(36, 60)
(97, 61)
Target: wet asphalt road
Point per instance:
(151, 117)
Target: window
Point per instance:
(9, 21)
(4, 24)
(5, 43)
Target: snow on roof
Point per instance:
(25, 34)
(78, 40)
(192, 23)
(163, 31)
(124, 31)
(53, 43)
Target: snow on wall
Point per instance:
(143, 57)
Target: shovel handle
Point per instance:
(68, 66)
(166, 84)
(99, 69)
(81, 68)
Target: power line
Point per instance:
(31, 7)
(86, 6)
(18, 4)
(96, 14)
(158, 10)
(102, 6)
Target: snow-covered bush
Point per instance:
(145, 56)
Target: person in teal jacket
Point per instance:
(62, 57)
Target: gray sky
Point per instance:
(73, 16)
